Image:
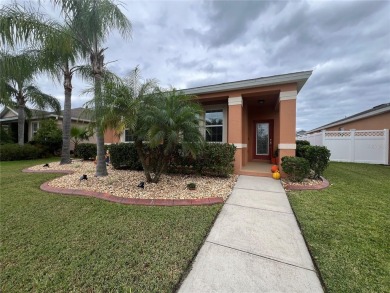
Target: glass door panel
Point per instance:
(262, 139)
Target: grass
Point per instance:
(55, 243)
(347, 227)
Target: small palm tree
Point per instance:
(79, 134)
(16, 86)
(166, 121)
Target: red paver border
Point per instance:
(323, 185)
(122, 200)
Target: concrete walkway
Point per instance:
(255, 245)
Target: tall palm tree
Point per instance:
(91, 22)
(54, 41)
(16, 86)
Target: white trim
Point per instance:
(290, 95)
(232, 101)
(299, 78)
(240, 145)
(287, 146)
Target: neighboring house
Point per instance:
(301, 133)
(9, 120)
(257, 115)
(377, 118)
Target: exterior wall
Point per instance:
(110, 137)
(10, 114)
(377, 122)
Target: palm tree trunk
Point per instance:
(142, 158)
(21, 121)
(66, 119)
(97, 66)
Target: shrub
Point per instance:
(318, 157)
(214, 160)
(13, 152)
(296, 168)
(124, 156)
(49, 135)
(6, 136)
(301, 146)
(86, 151)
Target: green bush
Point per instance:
(301, 146)
(14, 152)
(87, 151)
(296, 168)
(5, 136)
(124, 156)
(49, 136)
(214, 160)
(318, 157)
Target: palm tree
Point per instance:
(17, 74)
(78, 134)
(19, 25)
(166, 121)
(91, 22)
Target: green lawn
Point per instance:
(55, 243)
(347, 227)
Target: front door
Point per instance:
(263, 146)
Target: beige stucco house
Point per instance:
(9, 120)
(257, 115)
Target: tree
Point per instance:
(91, 22)
(57, 47)
(79, 134)
(165, 121)
(16, 86)
(49, 135)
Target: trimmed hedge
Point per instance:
(15, 152)
(318, 157)
(87, 151)
(301, 146)
(296, 168)
(124, 156)
(214, 160)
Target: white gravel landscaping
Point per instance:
(123, 183)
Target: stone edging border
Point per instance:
(123, 200)
(323, 185)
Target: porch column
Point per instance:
(287, 124)
(235, 128)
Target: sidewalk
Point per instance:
(255, 245)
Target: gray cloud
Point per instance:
(193, 43)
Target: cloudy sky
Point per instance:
(194, 43)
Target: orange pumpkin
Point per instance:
(276, 175)
(274, 168)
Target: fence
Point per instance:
(360, 146)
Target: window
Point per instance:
(214, 125)
(34, 127)
(128, 136)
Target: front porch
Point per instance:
(260, 169)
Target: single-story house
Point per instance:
(257, 115)
(376, 118)
(9, 120)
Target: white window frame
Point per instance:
(32, 128)
(123, 137)
(223, 108)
